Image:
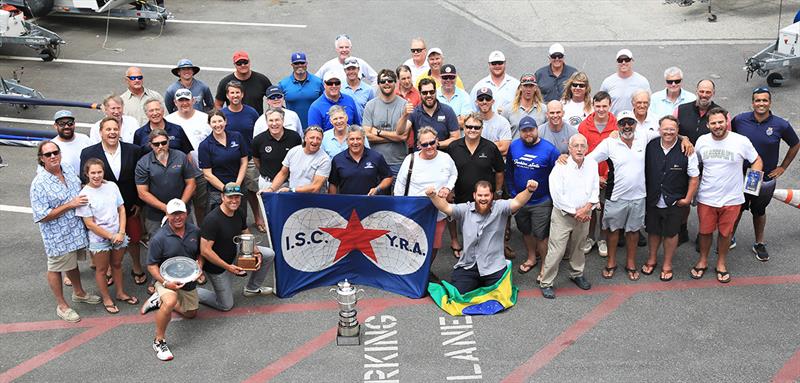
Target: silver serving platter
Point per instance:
(180, 270)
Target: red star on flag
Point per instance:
(354, 237)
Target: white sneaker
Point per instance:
(602, 248)
(161, 349)
(588, 245)
(263, 290)
(152, 303)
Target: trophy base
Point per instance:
(348, 336)
(247, 263)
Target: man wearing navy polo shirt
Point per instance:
(318, 112)
(301, 88)
(430, 112)
(765, 131)
(359, 170)
(155, 120)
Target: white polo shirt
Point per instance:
(628, 165)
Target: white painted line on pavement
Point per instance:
(16, 209)
(40, 122)
(237, 23)
(113, 63)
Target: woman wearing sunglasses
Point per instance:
(576, 99)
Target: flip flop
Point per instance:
(456, 251)
(652, 268)
(663, 273)
(131, 300)
(525, 267)
(151, 289)
(633, 274)
(139, 279)
(608, 272)
(112, 309)
(721, 275)
(67, 281)
(109, 280)
(700, 271)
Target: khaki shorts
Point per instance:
(188, 300)
(66, 262)
(251, 177)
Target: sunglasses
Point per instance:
(473, 127)
(556, 56)
(134, 78)
(495, 63)
(242, 62)
(674, 82)
(65, 124)
(427, 92)
(51, 154)
(578, 85)
(762, 89)
(233, 189)
(275, 97)
(417, 50)
(626, 122)
(427, 144)
(448, 78)
(484, 98)
(333, 83)
(159, 143)
(299, 63)
(385, 81)
(624, 60)
(340, 36)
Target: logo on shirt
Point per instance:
(234, 144)
(769, 131)
(482, 155)
(440, 118)
(369, 165)
(268, 149)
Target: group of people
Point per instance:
(542, 148)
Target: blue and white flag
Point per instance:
(379, 241)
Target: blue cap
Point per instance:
(298, 57)
(185, 63)
(273, 90)
(527, 122)
(63, 114)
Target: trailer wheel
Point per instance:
(775, 79)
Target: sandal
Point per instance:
(509, 253)
(721, 275)
(525, 267)
(633, 274)
(111, 309)
(151, 289)
(651, 266)
(140, 278)
(608, 272)
(456, 251)
(131, 300)
(67, 281)
(664, 274)
(109, 280)
(700, 271)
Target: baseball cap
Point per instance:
(497, 56)
(298, 57)
(231, 188)
(273, 90)
(175, 205)
(448, 69)
(626, 114)
(331, 74)
(527, 122)
(185, 63)
(351, 62)
(556, 48)
(527, 78)
(63, 114)
(183, 94)
(625, 52)
(435, 50)
(484, 92)
(240, 55)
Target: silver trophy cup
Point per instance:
(245, 244)
(346, 295)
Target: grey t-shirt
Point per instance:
(561, 138)
(303, 167)
(384, 116)
(483, 236)
(496, 129)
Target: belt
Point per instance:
(567, 214)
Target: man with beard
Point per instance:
(432, 113)
(254, 84)
(70, 143)
(300, 88)
(722, 154)
(531, 158)
(553, 76)
(556, 130)
(112, 107)
(155, 120)
(136, 95)
(162, 175)
(382, 121)
(502, 85)
(318, 112)
(483, 222)
(185, 71)
(574, 188)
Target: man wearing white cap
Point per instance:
(70, 143)
(552, 77)
(185, 71)
(503, 86)
(418, 63)
(318, 112)
(343, 46)
(360, 91)
(622, 84)
(436, 62)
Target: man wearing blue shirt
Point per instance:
(431, 112)
(185, 71)
(360, 91)
(765, 131)
(318, 113)
(531, 158)
(155, 120)
(359, 170)
(301, 89)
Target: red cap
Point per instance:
(240, 55)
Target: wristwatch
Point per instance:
(378, 132)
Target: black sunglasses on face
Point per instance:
(333, 83)
(624, 60)
(473, 127)
(427, 144)
(159, 143)
(417, 50)
(51, 154)
(674, 82)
